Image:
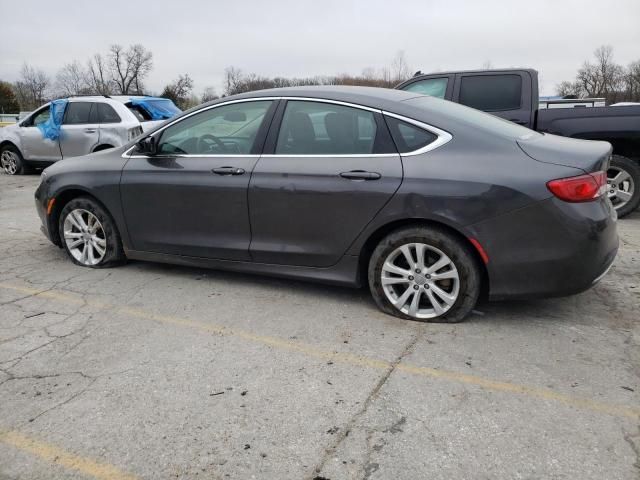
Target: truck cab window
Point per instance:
(436, 87)
(491, 93)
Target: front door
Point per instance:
(191, 198)
(332, 169)
(34, 145)
(80, 132)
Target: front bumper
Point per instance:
(551, 248)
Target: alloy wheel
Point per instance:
(620, 187)
(85, 237)
(420, 280)
(9, 162)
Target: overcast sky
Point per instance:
(322, 37)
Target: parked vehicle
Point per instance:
(428, 202)
(79, 126)
(513, 94)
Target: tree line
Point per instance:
(124, 71)
(604, 78)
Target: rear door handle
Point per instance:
(90, 130)
(360, 175)
(228, 171)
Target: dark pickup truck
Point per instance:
(513, 94)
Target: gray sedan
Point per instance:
(429, 203)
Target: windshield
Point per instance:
(473, 117)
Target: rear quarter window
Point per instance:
(407, 137)
(106, 114)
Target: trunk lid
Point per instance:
(587, 155)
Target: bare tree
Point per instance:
(400, 69)
(565, 89)
(73, 79)
(129, 68)
(97, 71)
(179, 90)
(208, 95)
(232, 80)
(32, 88)
(487, 65)
(604, 78)
(632, 81)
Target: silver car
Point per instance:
(85, 124)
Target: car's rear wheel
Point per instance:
(89, 234)
(424, 274)
(12, 161)
(623, 183)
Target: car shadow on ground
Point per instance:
(509, 312)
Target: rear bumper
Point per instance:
(551, 248)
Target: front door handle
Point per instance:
(90, 130)
(228, 171)
(360, 175)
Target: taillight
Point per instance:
(582, 188)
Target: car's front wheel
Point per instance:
(424, 274)
(12, 161)
(89, 234)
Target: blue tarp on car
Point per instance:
(158, 108)
(51, 128)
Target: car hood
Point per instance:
(587, 155)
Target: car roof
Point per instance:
(480, 70)
(373, 97)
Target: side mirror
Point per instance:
(148, 146)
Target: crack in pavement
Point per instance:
(344, 432)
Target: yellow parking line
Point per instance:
(57, 456)
(347, 358)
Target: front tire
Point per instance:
(12, 161)
(623, 184)
(424, 274)
(89, 235)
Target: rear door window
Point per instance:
(318, 128)
(491, 93)
(106, 114)
(435, 87)
(77, 113)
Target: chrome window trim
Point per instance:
(325, 155)
(443, 136)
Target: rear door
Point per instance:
(507, 95)
(327, 170)
(80, 132)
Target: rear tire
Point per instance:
(440, 282)
(89, 234)
(623, 179)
